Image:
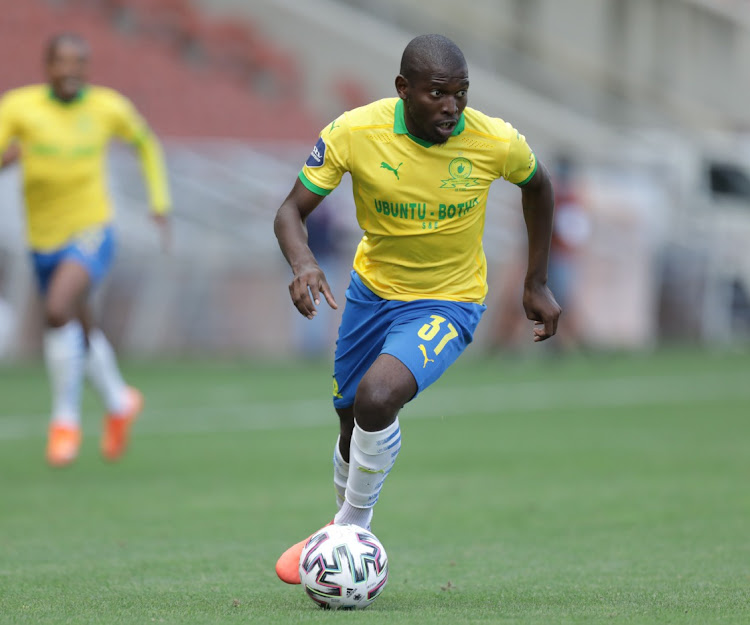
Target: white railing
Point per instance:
(223, 287)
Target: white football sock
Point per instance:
(373, 455)
(64, 352)
(340, 474)
(102, 370)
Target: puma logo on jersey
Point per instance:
(424, 353)
(385, 165)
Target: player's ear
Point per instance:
(402, 87)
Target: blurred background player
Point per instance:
(419, 280)
(60, 131)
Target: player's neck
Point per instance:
(65, 98)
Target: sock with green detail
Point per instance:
(372, 456)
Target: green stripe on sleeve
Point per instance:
(530, 176)
(311, 186)
(140, 136)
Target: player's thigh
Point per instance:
(364, 325)
(74, 270)
(432, 337)
(67, 291)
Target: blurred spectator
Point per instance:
(314, 337)
(571, 231)
(509, 329)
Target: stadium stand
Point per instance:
(190, 75)
(239, 90)
(224, 100)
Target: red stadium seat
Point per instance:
(188, 75)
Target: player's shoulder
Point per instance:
(491, 127)
(107, 96)
(377, 113)
(26, 95)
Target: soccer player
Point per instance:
(421, 167)
(62, 129)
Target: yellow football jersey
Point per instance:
(63, 150)
(421, 205)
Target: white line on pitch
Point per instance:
(500, 399)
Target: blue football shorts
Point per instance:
(93, 248)
(425, 335)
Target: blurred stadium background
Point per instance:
(643, 101)
(599, 488)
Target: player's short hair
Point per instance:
(430, 51)
(67, 37)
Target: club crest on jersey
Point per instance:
(460, 172)
(318, 155)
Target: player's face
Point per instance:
(433, 101)
(67, 69)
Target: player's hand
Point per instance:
(306, 288)
(541, 307)
(165, 231)
(11, 155)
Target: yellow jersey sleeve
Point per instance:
(8, 128)
(329, 159)
(127, 123)
(129, 126)
(520, 163)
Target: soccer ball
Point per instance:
(343, 567)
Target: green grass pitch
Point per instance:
(543, 491)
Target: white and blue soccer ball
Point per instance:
(343, 567)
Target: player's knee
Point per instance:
(376, 406)
(56, 314)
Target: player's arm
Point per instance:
(10, 151)
(132, 128)
(154, 173)
(10, 155)
(291, 232)
(538, 202)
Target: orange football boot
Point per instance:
(287, 566)
(63, 443)
(117, 426)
